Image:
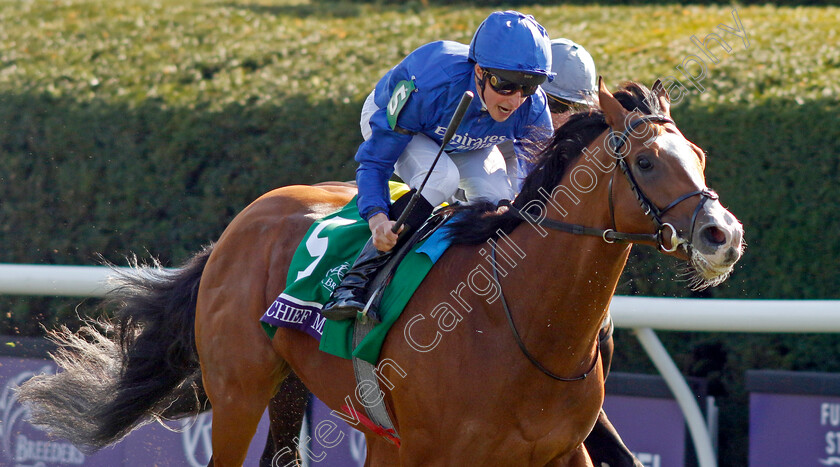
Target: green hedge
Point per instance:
(81, 180)
(84, 179)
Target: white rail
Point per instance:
(65, 281)
(691, 314)
(642, 314)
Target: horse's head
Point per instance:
(659, 185)
(621, 173)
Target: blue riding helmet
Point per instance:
(512, 41)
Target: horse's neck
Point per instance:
(561, 296)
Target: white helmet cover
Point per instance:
(575, 80)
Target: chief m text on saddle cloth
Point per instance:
(404, 118)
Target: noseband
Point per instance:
(648, 207)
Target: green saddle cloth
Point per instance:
(326, 253)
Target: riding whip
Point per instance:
(466, 99)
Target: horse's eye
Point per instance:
(644, 163)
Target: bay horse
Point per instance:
(494, 360)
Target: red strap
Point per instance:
(389, 434)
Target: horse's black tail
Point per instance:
(122, 373)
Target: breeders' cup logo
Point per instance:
(196, 439)
(23, 444)
(334, 276)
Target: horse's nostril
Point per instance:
(713, 235)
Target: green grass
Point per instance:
(208, 54)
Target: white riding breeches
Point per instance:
(481, 173)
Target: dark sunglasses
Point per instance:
(559, 106)
(506, 88)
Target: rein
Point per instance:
(518, 338)
(609, 235)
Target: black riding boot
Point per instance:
(351, 296)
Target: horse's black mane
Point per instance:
(477, 222)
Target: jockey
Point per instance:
(405, 117)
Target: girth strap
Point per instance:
(376, 410)
(364, 371)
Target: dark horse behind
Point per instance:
(494, 360)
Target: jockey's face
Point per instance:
(500, 107)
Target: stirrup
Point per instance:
(371, 309)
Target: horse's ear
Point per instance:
(614, 112)
(659, 93)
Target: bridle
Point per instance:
(650, 209)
